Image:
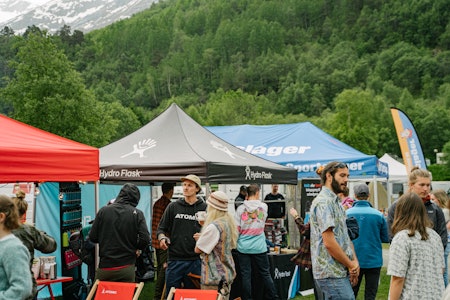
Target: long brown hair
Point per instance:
(9, 209)
(411, 214)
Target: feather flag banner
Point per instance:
(408, 140)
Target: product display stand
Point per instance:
(275, 228)
(71, 217)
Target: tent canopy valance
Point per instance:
(29, 154)
(173, 145)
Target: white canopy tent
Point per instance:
(397, 170)
(397, 174)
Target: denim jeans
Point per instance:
(177, 271)
(372, 276)
(261, 262)
(336, 288)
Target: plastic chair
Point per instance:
(194, 294)
(109, 290)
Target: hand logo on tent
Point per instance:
(225, 149)
(140, 147)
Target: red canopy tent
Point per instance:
(29, 154)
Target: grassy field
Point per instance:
(383, 290)
(148, 291)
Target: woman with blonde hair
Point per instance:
(15, 274)
(218, 236)
(416, 254)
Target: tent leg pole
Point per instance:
(97, 207)
(375, 192)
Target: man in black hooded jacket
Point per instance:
(120, 230)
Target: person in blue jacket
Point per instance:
(373, 232)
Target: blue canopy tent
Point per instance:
(302, 146)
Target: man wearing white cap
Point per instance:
(176, 232)
(217, 238)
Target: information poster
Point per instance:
(310, 188)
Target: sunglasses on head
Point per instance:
(340, 165)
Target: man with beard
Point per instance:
(274, 195)
(332, 253)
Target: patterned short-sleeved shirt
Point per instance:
(420, 263)
(327, 211)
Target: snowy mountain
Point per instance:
(12, 8)
(83, 15)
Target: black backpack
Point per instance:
(145, 269)
(82, 247)
(75, 290)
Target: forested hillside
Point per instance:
(339, 64)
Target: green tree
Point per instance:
(46, 92)
(69, 41)
(434, 126)
(7, 40)
(229, 108)
(357, 120)
(446, 157)
(125, 120)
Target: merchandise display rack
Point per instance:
(71, 221)
(275, 227)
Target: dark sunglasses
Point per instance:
(340, 165)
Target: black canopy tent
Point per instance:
(173, 145)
